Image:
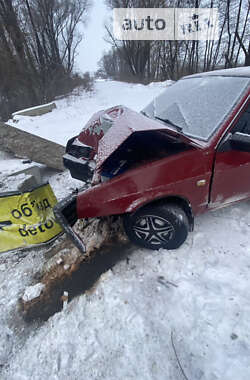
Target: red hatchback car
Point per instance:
(187, 152)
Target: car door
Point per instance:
(231, 178)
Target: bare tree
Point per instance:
(136, 54)
(38, 42)
(148, 60)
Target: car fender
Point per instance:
(174, 176)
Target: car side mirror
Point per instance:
(240, 141)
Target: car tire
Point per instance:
(157, 226)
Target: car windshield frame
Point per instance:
(152, 112)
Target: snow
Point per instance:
(79, 143)
(62, 183)
(33, 292)
(74, 159)
(193, 302)
(10, 164)
(122, 330)
(73, 112)
(243, 71)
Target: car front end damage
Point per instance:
(153, 168)
(81, 150)
(76, 159)
(131, 163)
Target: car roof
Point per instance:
(235, 72)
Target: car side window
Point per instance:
(243, 124)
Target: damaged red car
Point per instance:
(187, 152)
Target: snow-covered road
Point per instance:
(155, 312)
(73, 112)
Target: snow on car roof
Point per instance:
(235, 72)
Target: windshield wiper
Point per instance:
(167, 121)
(145, 114)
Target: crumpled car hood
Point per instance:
(108, 129)
(124, 126)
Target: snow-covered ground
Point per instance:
(73, 112)
(173, 315)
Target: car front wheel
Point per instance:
(157, 226)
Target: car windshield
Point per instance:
(197, 106)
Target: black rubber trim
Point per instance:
(80, 171)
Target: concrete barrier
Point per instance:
(35, 148)
(36, 111)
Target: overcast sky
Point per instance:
(92, 46)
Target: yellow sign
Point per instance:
(27, 219)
